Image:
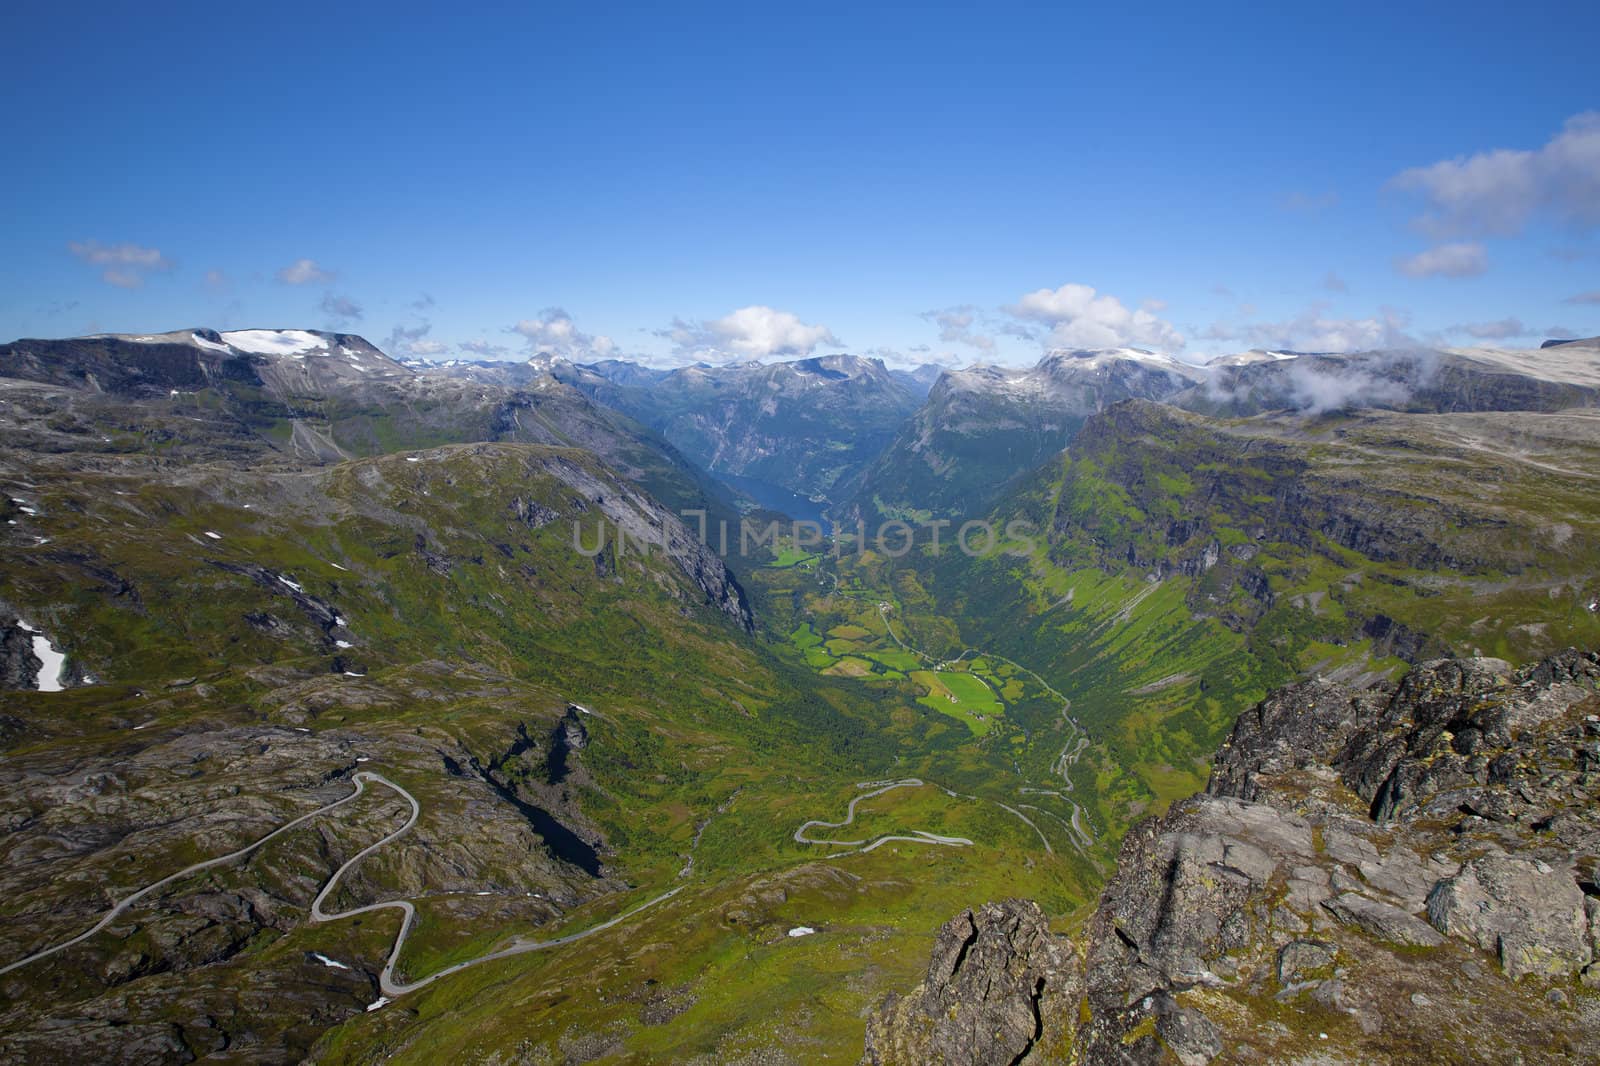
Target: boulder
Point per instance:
(1528, 912)
(999, 984)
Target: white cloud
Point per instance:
(553, 331)
(1079, 317)
(1334, 283)
(1314, 330)
(1463, 260)
(126, 265)
(753, 332)
(1498, 192)
(217, 279)
(955, 327)
(1591, 297)
(305, 272)
(1315, 389)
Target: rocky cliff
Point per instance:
(1401, 875)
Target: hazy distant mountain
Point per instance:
(625, 372)
(918, 380)
(802, 427)
(984, 425)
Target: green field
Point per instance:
(789, 556)
(961, 696)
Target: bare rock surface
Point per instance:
(994, 994)
(1406, 875)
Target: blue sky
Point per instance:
(926, 182)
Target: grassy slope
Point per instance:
(1472, 544)
(467, 624)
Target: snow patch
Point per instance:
(332, 963)
(380, 1001)
(291, 583)
(213, 536)
(273, 341)
(1254, 355)
(54, 661)
(343, 644)
(801, 930)
(213, 345)
(336, 566)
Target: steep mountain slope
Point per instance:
(983, 426)
(804, 427)
(611, 773)
(255, 635)
(1396, 875)
(1180, 566)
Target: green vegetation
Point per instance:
(962, 696)
(472, 629)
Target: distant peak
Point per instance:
(548, 361)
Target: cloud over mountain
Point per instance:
(955, 327)
(305, 272)
(1314, 329)
(1076, 316)
(755, 332)
(554, 332)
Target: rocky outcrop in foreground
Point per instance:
(1408, 875)
(998, 987)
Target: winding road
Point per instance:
(921, 836)
(861, 846)
(221, 860)
(387, 983)
(1080, 837)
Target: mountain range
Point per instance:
(1237, 713)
